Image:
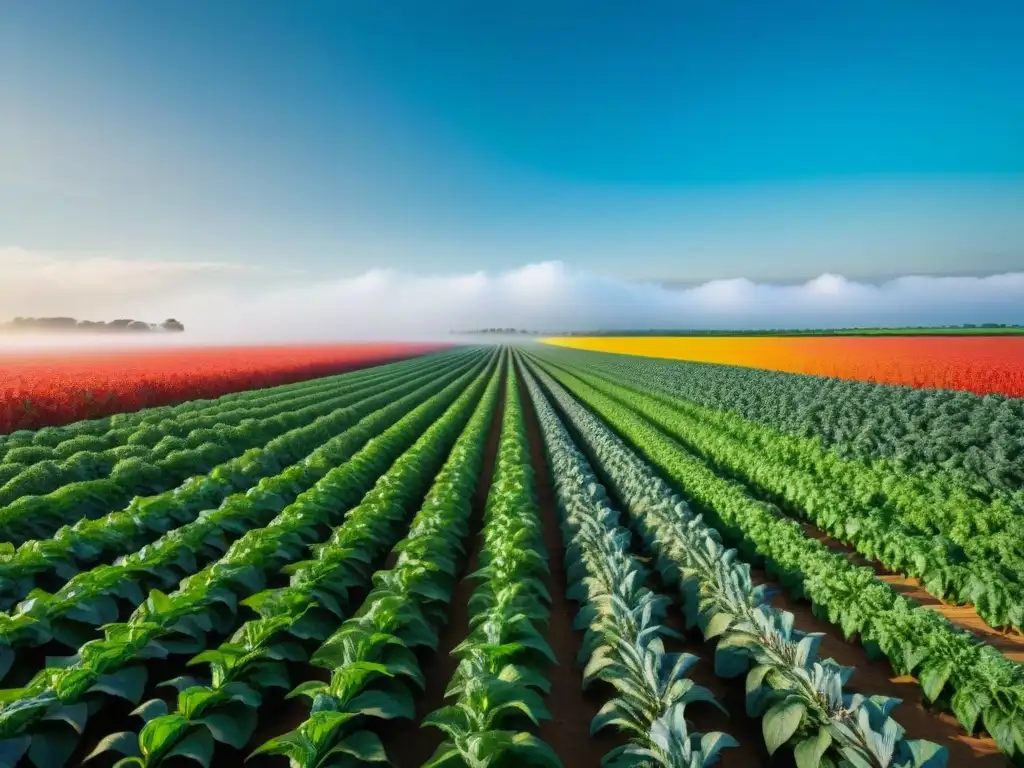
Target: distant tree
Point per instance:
(170, 324)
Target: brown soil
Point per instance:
(1011, 643)
(572, 708)
(407, 745)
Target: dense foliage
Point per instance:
(960, 549)
(957, 438)
(624, 620)
(799, 697)
(178, 622)
(221, 706)
(268, 576)
(500, 675)
(954, 668)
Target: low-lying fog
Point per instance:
(223, 303)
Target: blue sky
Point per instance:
(678, 141)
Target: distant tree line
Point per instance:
(71, 325)
(502, 331)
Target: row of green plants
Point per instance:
(205, 602)
(849, 504)
(964, 445)
(497, 685)
(41, 562)
(955, 670)
(223, 705)
(36, 516)
(624, 644)
(985, 529)
(154, 440)
(93, 598)
(166, 417)
(797, 695)
(372, 658)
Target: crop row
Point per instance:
(262, 476)
(954, 669)
(961, 443)
(165, 415)
(798, 696)
(222, 707)
(39, 516)
(966, 553)
(624, 644)
(172, 447)
(51, 388)
(372, 658)
(501, 672)
(207, 601)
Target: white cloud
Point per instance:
(232, 303)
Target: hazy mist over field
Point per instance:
(227, 303)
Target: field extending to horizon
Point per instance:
(979, 364)
(58, 384)
(526, 555)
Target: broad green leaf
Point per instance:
(447, 754)
(713, 743)
(293, 745)
(933, 678)
(535, 751)
(926, 754)
(386, 704)
(808, 753)
(160, 732)
(128, 683)
(365, 746)
(52, 746)
(151, 709)
(197, 746)
(158, 602)
(74, 715)
(968, 705)
(124, 743)
(1004, 728)
(718, 624)
(232, 725)
(781, 721)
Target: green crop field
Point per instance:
(520, 556)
